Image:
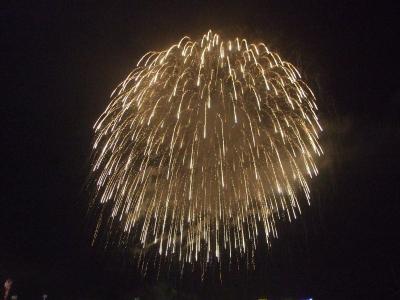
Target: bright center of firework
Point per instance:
(204, 145)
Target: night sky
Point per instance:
(59, 64)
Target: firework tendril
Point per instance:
(204, 146)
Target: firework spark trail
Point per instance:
(204, 145)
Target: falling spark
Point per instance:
(204, 146)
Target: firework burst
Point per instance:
(203, 146)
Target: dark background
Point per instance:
(59, 63)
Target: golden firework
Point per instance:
(204, 145)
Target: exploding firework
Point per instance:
(203, 147)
